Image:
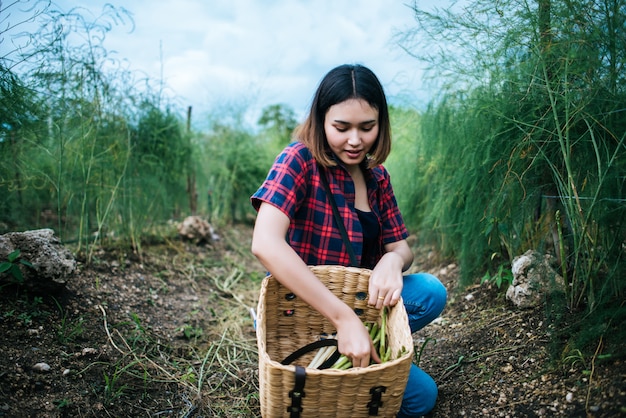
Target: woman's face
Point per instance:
(351, 129)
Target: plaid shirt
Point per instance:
(293, 185)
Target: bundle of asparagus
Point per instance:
(379, 337)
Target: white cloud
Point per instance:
(274, 51)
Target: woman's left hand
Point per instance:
(386, 280)
(385, 283)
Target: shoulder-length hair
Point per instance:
(340, 84)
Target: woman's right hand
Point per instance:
(355, 343)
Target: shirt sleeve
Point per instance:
(285, 185)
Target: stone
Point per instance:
(534, 277)
(52, 264)
(198, 230)
(41, 367)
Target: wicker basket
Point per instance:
(285, 323)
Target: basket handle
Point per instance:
(311, 347)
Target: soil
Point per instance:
(169, 333)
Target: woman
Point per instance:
(346, 137)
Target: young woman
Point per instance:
(346, 137)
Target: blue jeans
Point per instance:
(424, 298)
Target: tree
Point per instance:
(278, 122)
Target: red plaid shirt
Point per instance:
(293, 186)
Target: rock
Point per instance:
(52, 263)
(439, 321)
(194, 228)
(41, 367)
(88, 351)
(533, 278)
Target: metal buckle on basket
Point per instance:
(376, 402)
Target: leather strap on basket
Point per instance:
(338, 220)
(376, 401)
(314, 346)
(297, 393)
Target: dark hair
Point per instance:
(340, 84)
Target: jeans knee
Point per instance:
(424, 298)
(420, 394)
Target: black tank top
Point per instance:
(371, 229)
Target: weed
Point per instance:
(66, 330)
(139, 329)
(418, 353)
(139, 335)
(33, 310)
(62, 403)
(575, 358)
(12, 266)
(504, 276)
(190, 376)
(113, 389)
(190, 332)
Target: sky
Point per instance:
(245, 53)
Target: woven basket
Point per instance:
(285, 323)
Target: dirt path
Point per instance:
(493, 360)
(169, 334)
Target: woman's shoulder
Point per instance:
(298, 148)
(297, 151)
(380, 173)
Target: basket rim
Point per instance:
(334, 372)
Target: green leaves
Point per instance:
(12, 266)
(504, 276)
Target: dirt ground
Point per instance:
(169, 333)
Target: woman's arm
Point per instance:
(386, 280)
(273, 251)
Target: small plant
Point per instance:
(575, 358)
(190, 376)
(113, 389)
(138, 334)
(67, 330)
(418, 353)
(190, 332)
(504, 276)
(62, 403)
(12, 266)
(33, 310)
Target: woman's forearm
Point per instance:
(401, 249)
(271, 249)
